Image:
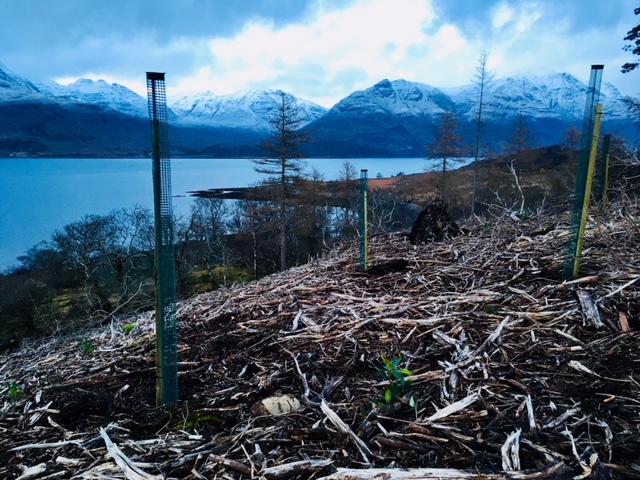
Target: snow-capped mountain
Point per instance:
(399, 97)
(14, 88)
(391, 118)
(100, 93)
(560, 96)
(400, 118)
(248, 109)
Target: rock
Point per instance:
(276, 405)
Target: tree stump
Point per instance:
(433, 224)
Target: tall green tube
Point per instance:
(364, 223)
(571, 264)
(165, 273)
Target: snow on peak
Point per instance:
(14, 88)
(557, 95)
(398, 97)
(249, 109)
(98, 92)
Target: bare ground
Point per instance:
(516, 374)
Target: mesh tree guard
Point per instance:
(586, 141)
(166, 318)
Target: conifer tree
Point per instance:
(633, 35)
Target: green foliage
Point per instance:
(490, 309)
(197, 420)
(129, 328)
(87, 346)
(14, 392)
(398, 378)
(633, 35)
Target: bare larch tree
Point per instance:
(283, 160)
(481, 80)
(446, 146)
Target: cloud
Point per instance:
(502, 15)
(370, 39)
(44, 39)
(321, 50)
(332, 51)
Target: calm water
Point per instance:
(39, 196)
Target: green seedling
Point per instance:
(524, 216)
(87, 347)
(197, 420)
(129, 328)
(14, 392)
(399, 379)
(490, 309)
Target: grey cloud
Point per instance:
(471, 16)
(349, 77)
(474, 17)
(311, 81)
(70, 37)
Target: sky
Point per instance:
(319, 50)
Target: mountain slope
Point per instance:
(390, 119)
(54, 130)
(100, 93)
(559, 96)
(249, 109)
(14, 88)
(401, 118)
(97, 119)
(393, 119)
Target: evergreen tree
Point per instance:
(633, 35)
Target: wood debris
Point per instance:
(516, 374)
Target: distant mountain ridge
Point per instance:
(395, 118)
(401, 118)
(243, 109)
(14, 88)
(100, 93)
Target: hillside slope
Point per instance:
(498, 345)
